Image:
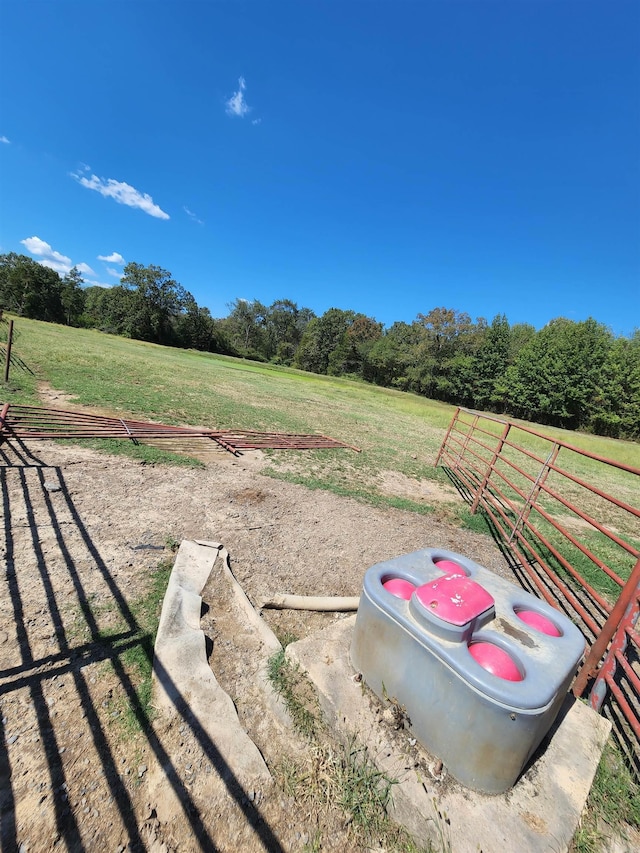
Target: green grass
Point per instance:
(614, 799)
(137, 658)
(334, 774)
(396, 431)
(295, 689)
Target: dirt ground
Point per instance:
(83, 533)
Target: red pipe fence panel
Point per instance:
(570, 524)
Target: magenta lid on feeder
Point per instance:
(450, 567)
(399, 587)
(541, 623)
(455, 599)
(495, 660)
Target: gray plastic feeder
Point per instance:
(480, 666)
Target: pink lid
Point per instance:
(455, 599)
(399, 587)
(450, 567)
(495, 660)
(539, 622)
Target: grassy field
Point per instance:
(396, 431)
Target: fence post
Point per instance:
(9, 340)
(525, 512)
(446, 438)
(467, 439)
(485, 479)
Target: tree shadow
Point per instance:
(35, 498)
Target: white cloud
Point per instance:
(49, 257)
(114, 273)
(113, 258)
(121, 192)
(192, 215)
(236, 105)
(256, 121)
(5, 140)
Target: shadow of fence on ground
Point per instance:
(54, 618)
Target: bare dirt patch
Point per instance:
(422, 491)
(84, 535)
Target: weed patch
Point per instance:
(133, 653)
(333, 774)
(614, 801)
(296, 690)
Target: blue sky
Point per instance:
(387, 157)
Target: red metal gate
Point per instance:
(570, 540)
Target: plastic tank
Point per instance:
(480, 665)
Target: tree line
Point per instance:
(576, 375)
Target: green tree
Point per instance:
(195, 328)
(321, 337)
(245, 327)
(109, 309)
(72, 296)
(521, 334)
(30, 289)
(616, 403)
(400, 358)
(490, 365)
(351, 352)
(155, 304)
(556, 377)
(446, 363)
(284, 326)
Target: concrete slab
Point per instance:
(539, 814)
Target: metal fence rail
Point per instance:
(34, 422)
(570, 540)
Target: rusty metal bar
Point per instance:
(224, 444)
(487, 476)
(628, 712)
(554, 579)
(583, 549)
(621, 465)
(564, 473)
(30, 422)
(630, 590)
(597, 599)
(467, 435)
(133, 438)
(8, 351)
(3, 422)
(446, 438)
(539, 484)
(608, 666)
(566, 565)
(566, 534)
(596, 695)
(570, 506)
